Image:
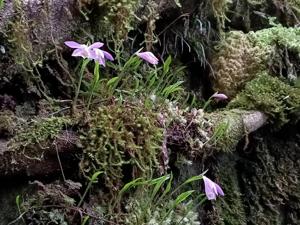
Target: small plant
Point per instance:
(92, 52)
(154, 81)
(132, 79)
(93, 180)
(156, 201)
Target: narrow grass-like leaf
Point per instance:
(158, 185)
(85, 220)
(131, 184)
(192, 179)
(182, 197)
(166, 66)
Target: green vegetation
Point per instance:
(141, 201)
(121, 136)
(242, 57)
(236, 62)
(118, 18)
(271, 96)
(37, 131)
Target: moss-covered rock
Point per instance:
(38, 131)
(270, 95)
(241, 57)
(236, 62)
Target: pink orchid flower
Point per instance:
(148, 57)
(212, 190)
(219, 96)
(82, 50)
(91, 52)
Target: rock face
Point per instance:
(263, 185)
(46, 21)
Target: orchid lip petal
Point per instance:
(108, 56)
(73, 44)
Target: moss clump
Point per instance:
(241, 57)
(271, 96)
(38, 131)
(219, 8)
(122, 139)
(118, 17)
(236, 62)
(278, 35)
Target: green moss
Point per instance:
(241, 57)
(236, 62)
(117, 19)
(284, 37)
(228, 129)
(38, 131)
(21, 46)
(271, 96)
(219, 9)
(122, 139)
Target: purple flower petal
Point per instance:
(108, 56)
(101, 61)
(219, 96)
(96, 45)
(78, 52)
(212, 190)
(148, 56)
(219, 190)
(209, 188)
(72, 44)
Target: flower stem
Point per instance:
(95, 82)
(83, 66)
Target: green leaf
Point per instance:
(172, 88)
(182, 197)
(96, 73)
(192, 179)
(18, 201)
(166, 66)
(112, 81)
(138, 181)
(94, 177)
(1, 4)
(85, 220)
(159, 184)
